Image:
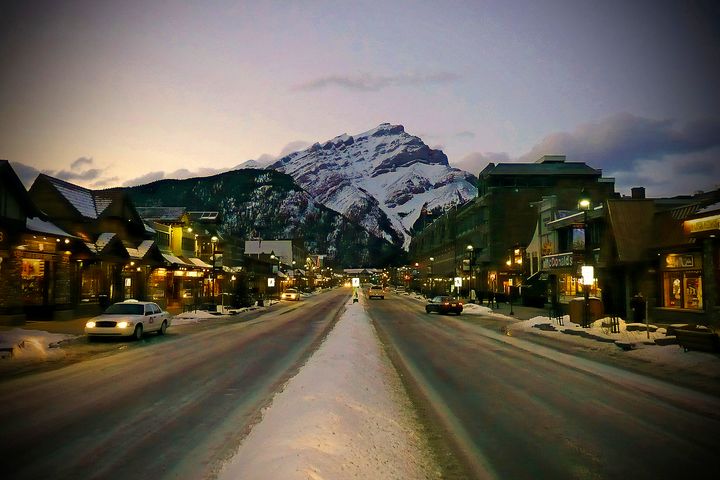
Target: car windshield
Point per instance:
(125, 309)
(290, 290)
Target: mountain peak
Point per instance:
(384, 129)
(379, 178)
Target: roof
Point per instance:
(162, 214)
(142, 251)
(41, 226)
(109, 245)
(548, 168)
(199, 263)
(632, 226)
(209, 216)
(87, 202)
(173, 260)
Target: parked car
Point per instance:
(444, 305)
(130, 318)
(290, 294)
(376, 291)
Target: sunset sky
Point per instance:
(109, 93)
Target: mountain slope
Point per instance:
(274, 206)
(380, 179)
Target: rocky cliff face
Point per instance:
(381, 179)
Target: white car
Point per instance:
(130, 318)
(290, 294)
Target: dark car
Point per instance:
(444, 305)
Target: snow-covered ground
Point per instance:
(344, 415)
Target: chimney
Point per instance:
(638, 193)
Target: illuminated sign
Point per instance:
(271, 282)
(702, 224)
(557, 261)
(355, 282)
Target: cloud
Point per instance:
(465, 134)
(80, 162)
(87, 175)
(640, 151)
(622, 139)
(476, 161)
(372, 83)
(292, 147)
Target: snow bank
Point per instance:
(31, 345)
(344, 415)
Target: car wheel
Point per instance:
(163, 328)
(138, 333)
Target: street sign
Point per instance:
(271, 282)
(355, 282)
(458, 281)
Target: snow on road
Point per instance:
(344, 415)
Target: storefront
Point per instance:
(682, 281)
(564, 280)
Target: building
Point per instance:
(484, 241)
(36, 257)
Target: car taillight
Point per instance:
(446, 303)
(460, 303)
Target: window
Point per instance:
(32, 278)
(683, 289)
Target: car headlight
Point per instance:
(90, 324)
(124, 324)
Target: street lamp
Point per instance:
(213, 242)
(586, 269)
(432, 274)
(471, 257)
(277, 285)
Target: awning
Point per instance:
(199, 263)
(173, 260)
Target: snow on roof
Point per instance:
(199, 263)
(172, 259)
(41, 226)
(88, 203)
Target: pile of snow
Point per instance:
(344, 415)
(641, 342)
(31, 345)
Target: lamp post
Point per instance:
(587, 269)
(277, 284)
(432, 280)
(213, 242)
(471, 257)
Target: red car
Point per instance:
(444, 305)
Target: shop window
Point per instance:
(683, 290)
(32, 280)
(90, 283)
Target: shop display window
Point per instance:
(32, 279)
(90, 283)
(683, 289)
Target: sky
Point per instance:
(106, 93)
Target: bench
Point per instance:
(698, 340)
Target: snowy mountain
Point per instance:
(271, 204)
(381, 179)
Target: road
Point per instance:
(514, 409)
(165, 407)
